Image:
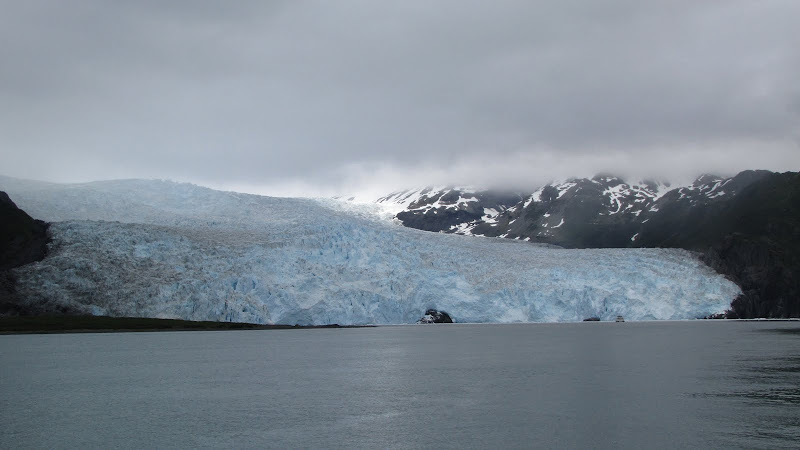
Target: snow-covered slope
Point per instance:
(446, 209)
(161, 249)
(603, 211)
(531, 216)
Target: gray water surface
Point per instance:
(710, 384)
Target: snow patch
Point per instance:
(564, 188)
(535, 197)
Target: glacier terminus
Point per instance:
(153, 248)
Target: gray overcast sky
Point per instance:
(324, 96)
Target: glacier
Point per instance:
(153, 248)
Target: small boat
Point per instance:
(620, 319)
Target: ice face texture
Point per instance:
(163, 249)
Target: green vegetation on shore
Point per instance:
(93, 324)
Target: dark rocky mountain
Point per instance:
(448, 209)
(595, 212)
(690, 217)
(752, 236)
(747, 226)
(22, 240)
(603, 211)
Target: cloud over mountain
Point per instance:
(332, 95)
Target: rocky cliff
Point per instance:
(22, 240)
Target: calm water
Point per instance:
(601, 385)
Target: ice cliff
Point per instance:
(163, 249)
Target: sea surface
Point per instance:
(697, 384)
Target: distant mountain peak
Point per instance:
(604, 210)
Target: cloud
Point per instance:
(342, 95)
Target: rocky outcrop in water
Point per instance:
(435, 316)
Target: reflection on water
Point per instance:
(762, 396)
(770, 380)
(783, 330)
(780, 395)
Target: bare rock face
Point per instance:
(435, 316)
(450, 210)
(23, 240)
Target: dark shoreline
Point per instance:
(51, 324)
(104, 324)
